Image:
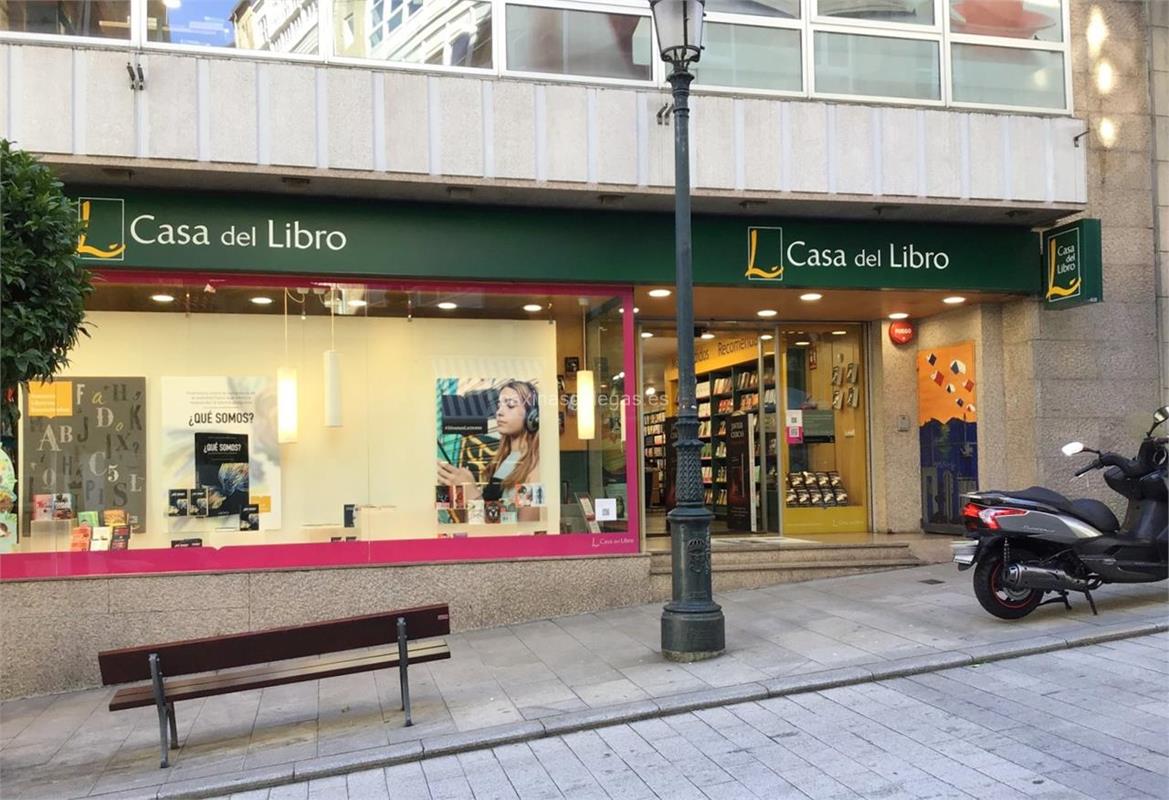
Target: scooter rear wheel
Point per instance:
(997, 599)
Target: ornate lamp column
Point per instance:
(692, 623)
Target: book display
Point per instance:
(654, 447)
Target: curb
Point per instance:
(484, 738)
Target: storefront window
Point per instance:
(453, 33)
(579, 43)
(278, 26)
(1040, 20)
(108, 20)
(1004, 76)
(910, 12)
(402, 422)
(877, 66)
(751, 58)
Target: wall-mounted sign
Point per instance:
(227, 233)
(794, 426)
(901, 331)
(1073, 265)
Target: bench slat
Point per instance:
(276, 675)
(213, 653)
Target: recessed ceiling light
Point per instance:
(707, 335)
(446, 305)
(262, 301)
(635, 309)
(767, 337)
(803, 343)
(162, 298)
(898, 315)
(647, 334)
(954, 300)
(767, 312)
(533, 308)
(839, 333)
(651, 391)
(357, 303)
(659, 292)
(809, 297)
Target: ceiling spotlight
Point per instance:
(953, 301)
(810, 297)
(357, 303)
(162, 298)
(706, 335)
(839, 333)
(650, 391)
(636, 310)
(767, 312)
(647, 335)
(767, 337)
(659, 292)
(446, 305)
(262, 301)
(532, 308)
(803, 343)
(898, 315)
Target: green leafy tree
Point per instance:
(44, 284)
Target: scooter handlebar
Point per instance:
(1096, 464)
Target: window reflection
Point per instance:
(443, 32)
(759, 8)
(751, 58)
(877, 66)
(1041, 20)
(109, 20)
(1006, 76)
(578, 43)
(910, 12)
(278, 26)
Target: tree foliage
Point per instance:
(43, 284)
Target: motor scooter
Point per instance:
(1026, 544)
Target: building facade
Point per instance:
(337, 243)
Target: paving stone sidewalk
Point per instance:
(1098, 731)
(541, 678)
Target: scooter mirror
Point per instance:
(1161, 414)
(1072, 448)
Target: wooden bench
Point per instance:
(242, 661)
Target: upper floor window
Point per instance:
(106, 20)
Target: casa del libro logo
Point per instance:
(770, 255)
(764, 254)
(104, 234)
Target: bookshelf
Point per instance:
(654, 447)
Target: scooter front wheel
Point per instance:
(999, 600)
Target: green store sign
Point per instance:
(376, 239)
(1073, 265)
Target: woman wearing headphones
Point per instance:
(517, 420)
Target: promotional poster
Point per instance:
(488, 451)
(948, 430)
(219, 439)
(85, 448)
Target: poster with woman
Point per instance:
(488, 451)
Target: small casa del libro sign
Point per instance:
(1073, 265)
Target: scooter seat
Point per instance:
(1095, 513)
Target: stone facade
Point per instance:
(54, 629)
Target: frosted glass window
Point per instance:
(877, 66)
(789, 9)
(751, 58)
(1005, 76)
(589, 43)
(907, 12)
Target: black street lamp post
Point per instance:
(692, 623)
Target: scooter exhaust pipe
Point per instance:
(1022, 576)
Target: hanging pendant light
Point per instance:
(333, 368)
(286, 392)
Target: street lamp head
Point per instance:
(679, 26)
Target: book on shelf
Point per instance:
(702, 390)
(725, 405)
(722, 385)
(704, 409)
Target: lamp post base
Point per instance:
(692, 635)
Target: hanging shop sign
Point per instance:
(212, 232)
(1073, 264)
(901, 331)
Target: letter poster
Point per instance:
(84, 449)
(219, 452)
(948, 431)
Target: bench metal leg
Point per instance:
(403, 666)
(174, 730)
(161, 704)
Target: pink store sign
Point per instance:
(31, 566)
